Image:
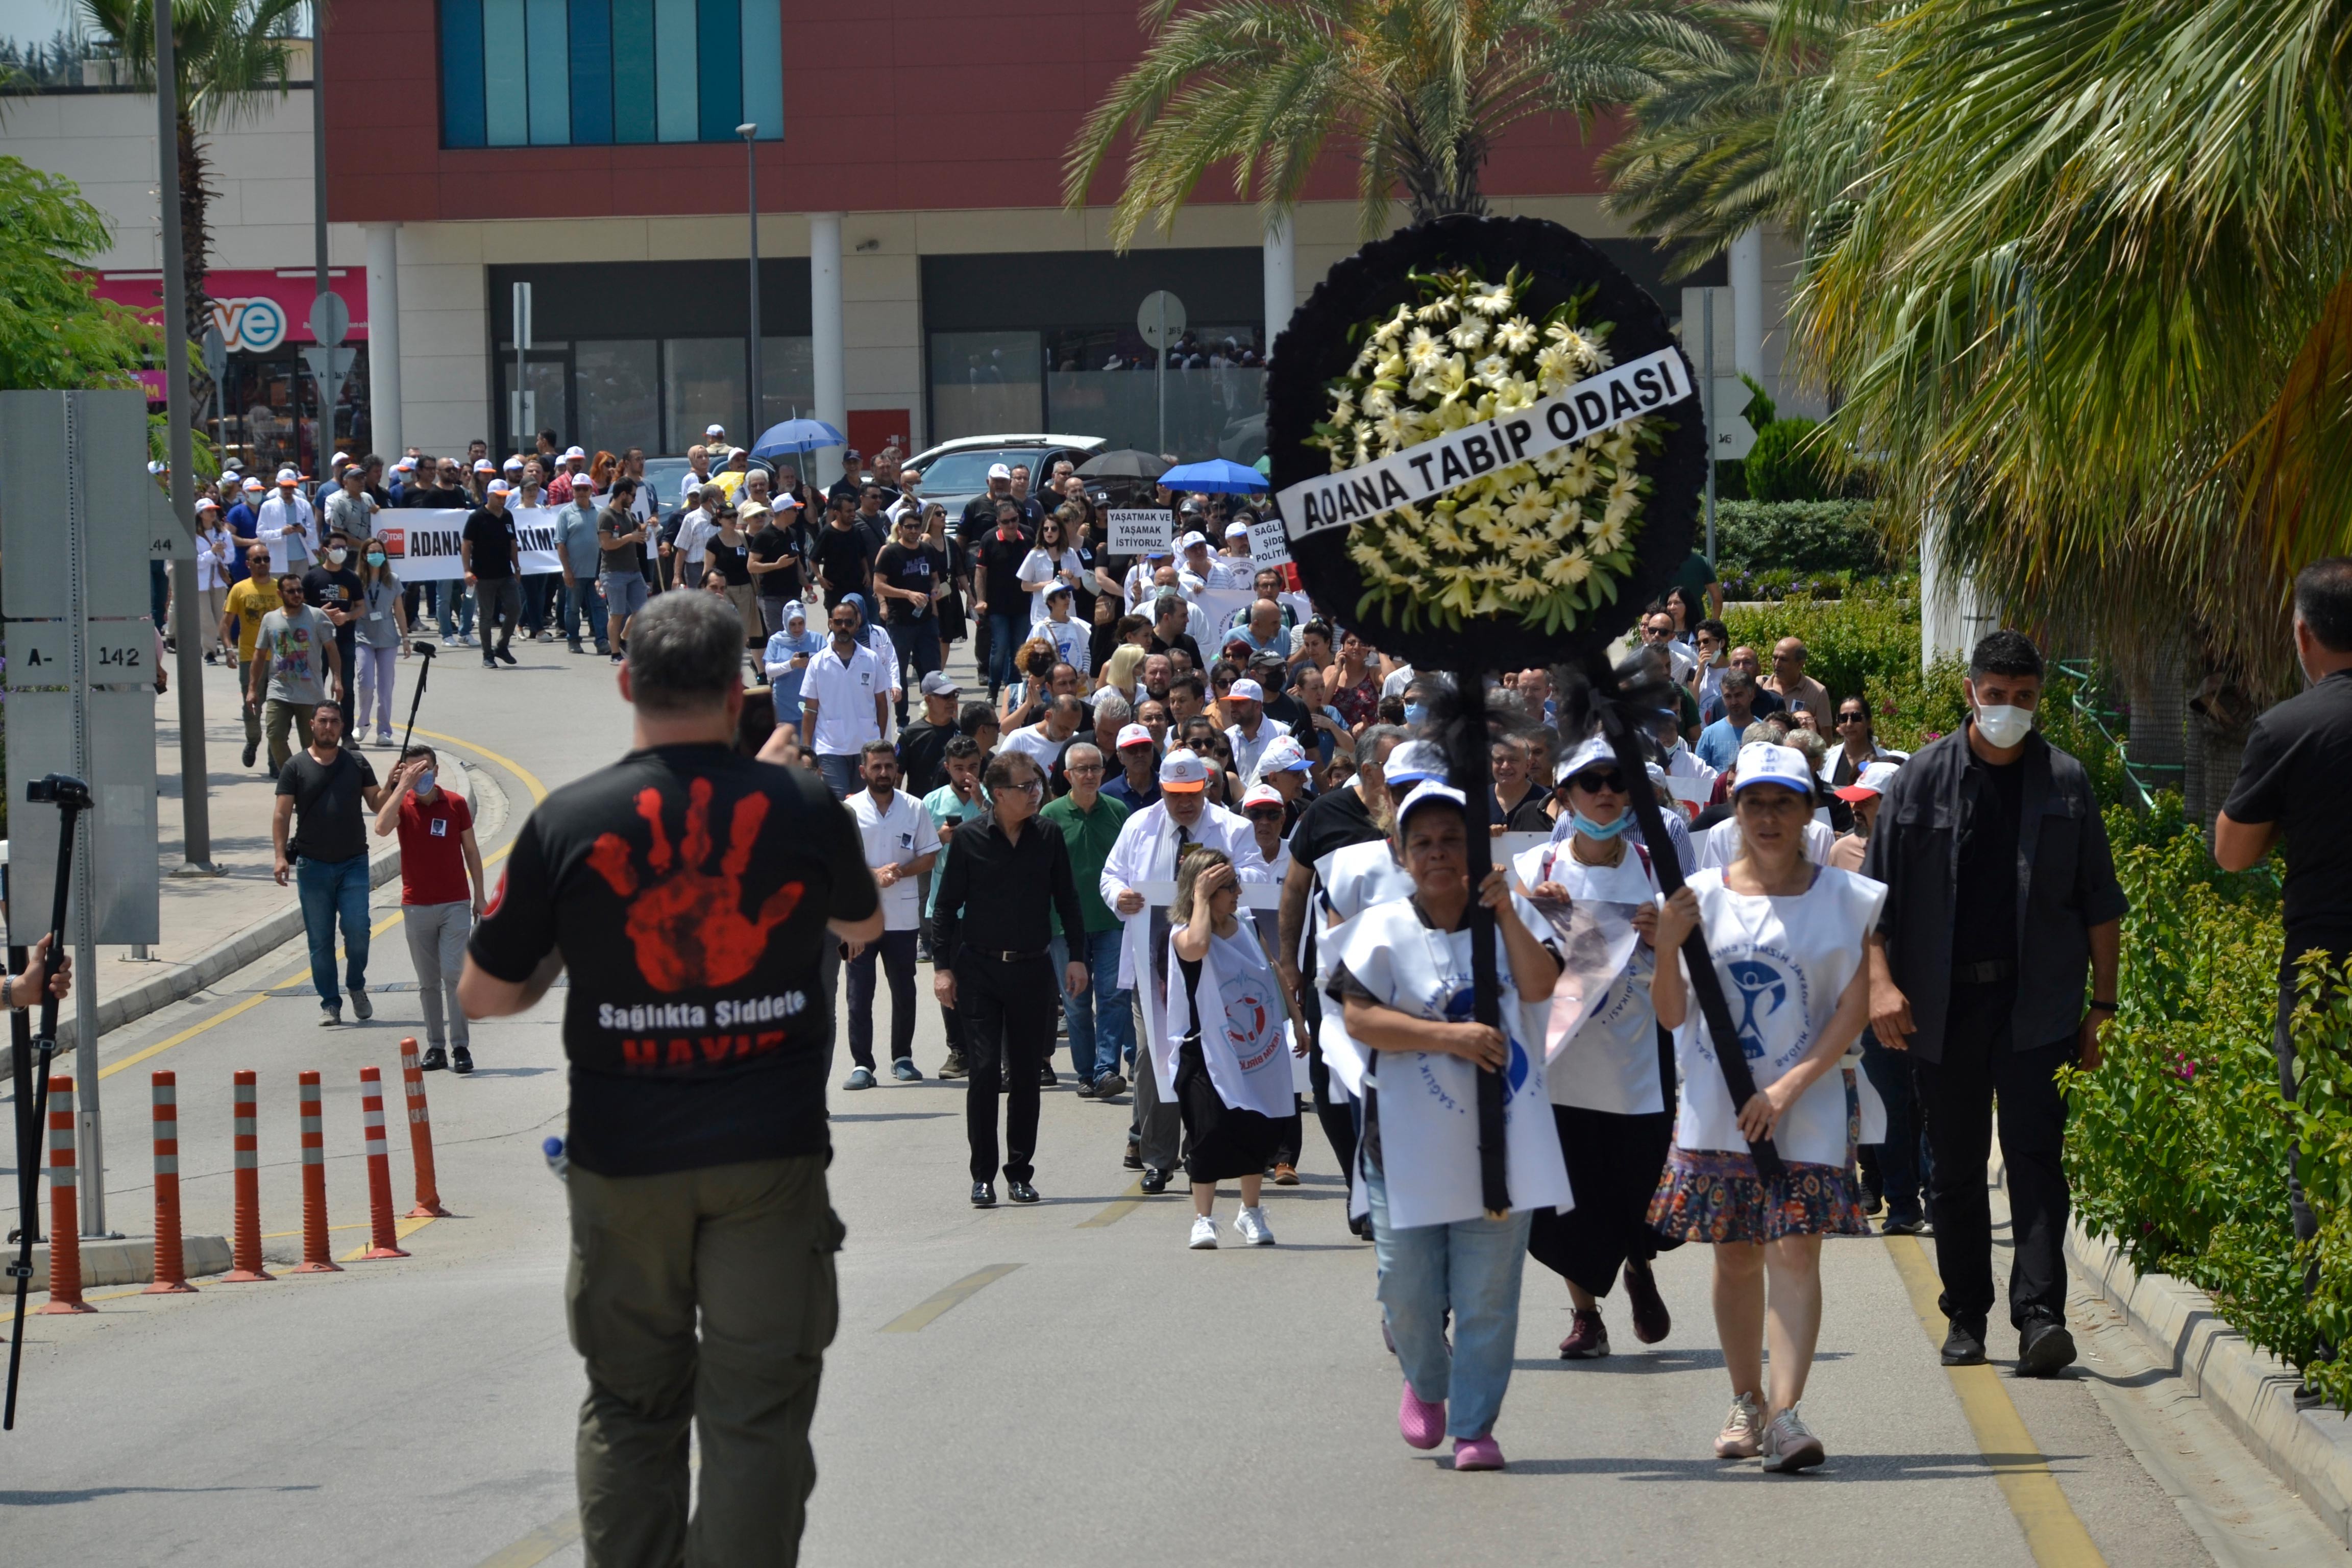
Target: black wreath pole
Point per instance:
(1617, 728)
(1468, 765)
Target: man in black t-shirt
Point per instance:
(1004, 598)
(775, 565)
(840, 558)
(689, 891)
(320, 791)
(2291, 792)
(331, 588)
(492, 551)
(908, 576)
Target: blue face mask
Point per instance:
(425, 781)
(1413, 712)
(1603, 831)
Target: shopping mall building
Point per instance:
(920, 277)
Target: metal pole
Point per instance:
(187, 612)
(751, 169)
(1163, 373)
(90, 1148)
(327, 391)
(1707, 411)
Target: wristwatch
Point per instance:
(2099, 1006)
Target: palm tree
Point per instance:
(225, 55)
(1419, 91)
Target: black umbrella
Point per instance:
(1127, 463)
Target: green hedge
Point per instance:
(1784, 464)
(1811, 537)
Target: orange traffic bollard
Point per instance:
(64, 1212)
(315, 1259)
(170, 1262)
(420, 1135)
(384, 1236)
(246, 1249)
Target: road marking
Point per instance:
(1117, 1209)
(916, 1321)
(538, 1546)
(530, 780)
(2053, 1531)
(402, 1230)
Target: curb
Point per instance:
(131, 1260)
(2252, 1389)
(216, 962)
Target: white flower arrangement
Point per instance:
(1544, 540)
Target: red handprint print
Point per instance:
(688, 923)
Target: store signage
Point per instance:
(254, 325)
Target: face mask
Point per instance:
(375, 558)
(335, 557)
(2004, 727)
(1413, 712)
(1604, 831)
(425, 781)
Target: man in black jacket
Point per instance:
(2001, 899)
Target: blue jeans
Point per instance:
(584, 593)
(332, 890)
(896, 951)
(1102, 1024)
(455, 607)
(1471, 1267)
(841, 773)
(1005, 636)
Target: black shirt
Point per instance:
(1528, 817)
(687, 891)
(922, 755)
(978, 519)
(1006, 888)
(733, 560)
(492, 535)
(921, 570)
(841, 559)
(1984, 909)
(999, 566)
(2297, 761)
(773, 543)
(1183, 640)
(324, 586)
(435, 498)
(1289, 710)
(328, 803)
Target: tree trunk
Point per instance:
(195, 252)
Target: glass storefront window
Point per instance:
(1104, 382)
(787, 380)
(619, 390)
(550, 400)
(986, 383)
(704, 383)
(269, 412)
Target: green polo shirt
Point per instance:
(1089, 835)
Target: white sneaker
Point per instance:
(1788, 1446)
(1204, 1232)
(1254, 1231)
(1743, 1430)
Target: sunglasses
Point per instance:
(1266, 813)
(1853, 718)
(1594, 781)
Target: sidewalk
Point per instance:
(212, 926)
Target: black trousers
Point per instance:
(1957, 1099)
(896, 950)
(1008, 1011)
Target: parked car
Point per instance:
(955, 471)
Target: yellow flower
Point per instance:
(1343, 408)
(1442, 535)
(1388, 432)
(1567, 571)
(1380, 398)
(1449, 376)
(1470, 335)
(1516, 336)
(1459, 595)
(1453, 415)
(1609, 537)
(1490, 602)
(1515, 392)
(1528, 547)
(1367, 554)
(1393, 327)
(1391, 369)
(1406, 548)
(1493, 370)
(1422, 351)
(1581, 474)
(1553, 463)
(1621, 446)
(1555, 369)
(1438, 309)
(1519, 590)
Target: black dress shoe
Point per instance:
(1155, 1180)
(984, 1197)
(2044, 1348)
(1132, 1159)
(435, 1059)
(1020, 1192)
(1964, 1342)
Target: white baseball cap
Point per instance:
(1876, 778)
(1237, 531)
(1594, 752)
(1057, 587)
(1761, 761)
(511, 466)
(1282, 755)
(484, 466)
(1189, 540)
(711, 430)
(206, 503)
(500, 487)
(1262, 795)
(571, 452)
(1415, 762)
(1133, 735)
(1247, 689)
(998, 471)
(341, 457)
(405, 466)
(1184, 772)
(288, 477)
(1431, 793)
(253, 482)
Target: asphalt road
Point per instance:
(1062, 1384)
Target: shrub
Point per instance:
(1866, 642)
(1782, 466)
(1807, 538)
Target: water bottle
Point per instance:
(558, 1161)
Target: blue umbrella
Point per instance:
(1215, 477)
(797, 435)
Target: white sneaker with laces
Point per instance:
(1254, 1231)
(1204, 1232)
(1743, 1429)
(1788, 1446)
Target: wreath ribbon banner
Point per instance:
(1421, 473)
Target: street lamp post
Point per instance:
(752, 176)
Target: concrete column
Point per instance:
(384, 339)
(824, 340)
(1281, 277)
(1747, 303)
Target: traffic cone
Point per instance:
(171, 1264)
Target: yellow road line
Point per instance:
(2053, 1532)
(530, 780)
(538, 1546)
(402, 1230)
(1117, 1209)
(918, 1319)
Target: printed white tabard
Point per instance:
(1244, 1039)
(1601, 1043)
(1428, 1102)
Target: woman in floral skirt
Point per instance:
(1786, 937)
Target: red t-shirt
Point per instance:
(432, 857)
